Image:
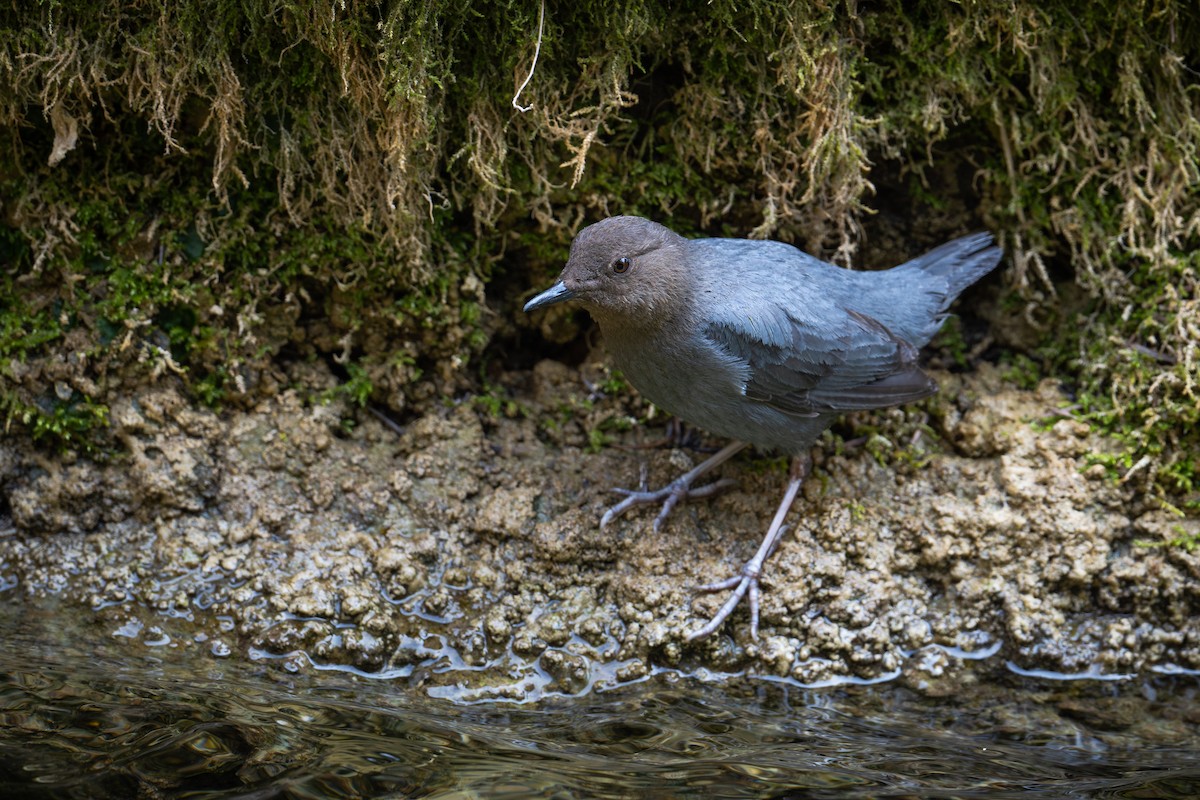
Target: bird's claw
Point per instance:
(744, 584)
(670, 496)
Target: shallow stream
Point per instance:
(89, 714)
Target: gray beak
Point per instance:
(555, 294)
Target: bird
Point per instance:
(758, 342)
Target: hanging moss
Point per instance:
(198, 189)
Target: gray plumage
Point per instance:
(758, 342)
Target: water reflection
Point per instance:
(91, 717)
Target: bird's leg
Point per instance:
(676, 490)
(677, 434)
(745, 584)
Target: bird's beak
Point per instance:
(555, 294)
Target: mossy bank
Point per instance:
(462, 556)
(207, 200)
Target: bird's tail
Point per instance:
(959, 263)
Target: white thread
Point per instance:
(536, 51)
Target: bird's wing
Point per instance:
(840, 361)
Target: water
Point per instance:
(84, 714)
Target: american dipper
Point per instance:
(759, 342)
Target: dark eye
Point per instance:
(621, 265)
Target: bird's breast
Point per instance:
(695, 379)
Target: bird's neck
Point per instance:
(644, 321)
(661, 330)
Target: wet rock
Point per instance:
(467, 549)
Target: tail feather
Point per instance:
(959, 263)
(913, 299)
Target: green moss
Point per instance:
(67, 420)
(597, 440)
(1115, 464)
(614, 384)
(949, 339)
(1183, 540)
(357, 387)
(1138, 386)
(211, 389)
(23, 331)
(234, 182)
(1021, 371)
(772, 464)
(495, 402)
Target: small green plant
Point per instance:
(1189, 542)
(615, 384)
(1115, 464)
(774, 464)
(881, 448)
(357, 387)
(490, 403)
(597, 440)
(211, 388)
(1022, 371)
(494, 403)
(68, 424)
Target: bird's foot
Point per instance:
(676, 490)
(670, 496)
(744, 584)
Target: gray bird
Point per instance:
(758, 342)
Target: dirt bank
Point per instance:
(463, 553)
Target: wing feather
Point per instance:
(799, 371)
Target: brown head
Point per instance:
(622, 267)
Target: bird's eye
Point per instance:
(621, 265)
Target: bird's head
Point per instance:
(622, 267)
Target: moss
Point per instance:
(495, 402)
(66, 419)
(357, 387)
(69, 422)
(23, 331)
(950, 340)
(193, 190)
(1022, 371)
(1189, 542)
(597, 440)
(1138, 385)
(614, 383)
(770, 464)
